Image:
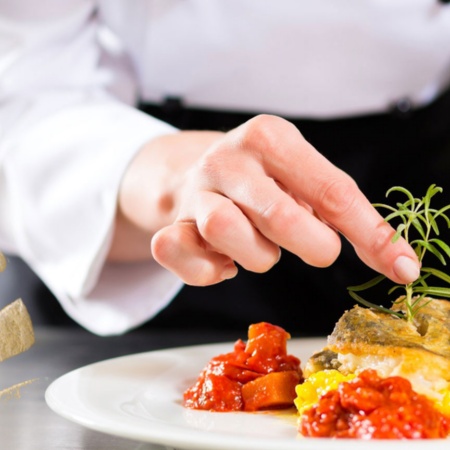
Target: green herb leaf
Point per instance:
(441, 244)
(437, 273)
(364, 302)
(368, 284)
(438, 291)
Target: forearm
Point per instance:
(149, 193)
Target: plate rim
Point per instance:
(212, 441)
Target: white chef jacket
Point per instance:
(72, 71)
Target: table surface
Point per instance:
(27, 423)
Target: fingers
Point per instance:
(196, 251)
(332, 194)
(180, 249)
(397, 261)
(228, 231)
(338, 201)
(343, 204)
(281, 220)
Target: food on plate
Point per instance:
(257, 375)
(412, 338)
(384, 373)
(373, 407)
(364, 338)
(398, 357)
(379, 377)
(401, 366)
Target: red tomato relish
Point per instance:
(220, 385)
(370, 407)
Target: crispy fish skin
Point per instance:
(365, 338)
(361, 328)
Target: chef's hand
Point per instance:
(241, 196)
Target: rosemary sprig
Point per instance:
(418, 224)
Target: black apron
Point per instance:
(405, 147)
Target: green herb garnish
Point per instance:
(418, 224)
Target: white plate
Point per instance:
(139, 397)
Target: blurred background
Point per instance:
(19, 281)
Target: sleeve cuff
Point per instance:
(124, 297)
(61, 181)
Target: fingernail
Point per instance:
(229, 272)
(406, 269)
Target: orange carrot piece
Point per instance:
(273, 391)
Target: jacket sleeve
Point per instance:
(68, 130)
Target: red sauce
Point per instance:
(370, 407)
(219, 385)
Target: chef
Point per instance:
(212, 164)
